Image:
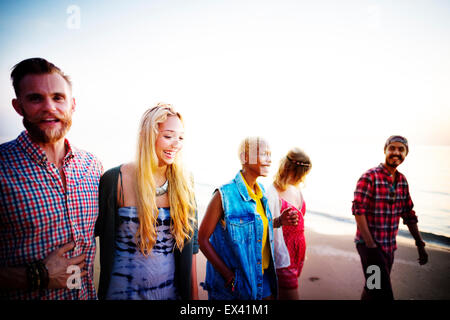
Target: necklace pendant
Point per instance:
(163, 189)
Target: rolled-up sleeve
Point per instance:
(363, 195)
(408, 214)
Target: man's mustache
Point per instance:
(40, 118)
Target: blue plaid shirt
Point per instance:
(37, 215)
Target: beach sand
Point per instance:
(333, 271)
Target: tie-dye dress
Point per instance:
(135, 276)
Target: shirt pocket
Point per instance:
(241, 228)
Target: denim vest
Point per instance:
(239, 244)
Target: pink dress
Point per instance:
(294, 238)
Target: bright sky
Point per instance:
(299, 73)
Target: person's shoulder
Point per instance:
(111, 174)
(376, 169)
(369, 174)
(228, 184)
(271, 193)
(127, 169)
(7, 148)
(85, 155)
(401, 177)
(271, 189)
(10, 146)
(296, 192)
(11, 155)
(86, 159)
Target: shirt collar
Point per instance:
(36, 153)
(71, 152)
(256, 196)
(399, 175)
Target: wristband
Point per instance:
(43, 274)
(230, 284)
(37, 275)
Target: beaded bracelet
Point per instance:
(37, 275)
(31, 276)
(43, 273)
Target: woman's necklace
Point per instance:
(163, 189)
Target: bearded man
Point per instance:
(381, 198)
(48, 194)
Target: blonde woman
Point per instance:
(147, 219)
(288, 207)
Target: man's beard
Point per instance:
(50, 135)
(393, 163)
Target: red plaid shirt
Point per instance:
(38, 216)
(383, 204)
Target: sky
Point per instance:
(303, 73)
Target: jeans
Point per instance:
(376, 257)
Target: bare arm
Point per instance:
(288, 217)
(13, 278)
(361, 222)
(213, 214)
(194, 285)
(414, 230)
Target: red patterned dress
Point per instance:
(294, 238)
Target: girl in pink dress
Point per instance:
(294, 238)
(288, 209)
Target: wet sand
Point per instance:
(333, 271)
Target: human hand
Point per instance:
(230, 280)
(57, 266)
(372, 245)
(289, 217)
(423, 256)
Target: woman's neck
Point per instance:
(160, 175)
(250, 178)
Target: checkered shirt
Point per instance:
(383, 204)
(37, 215)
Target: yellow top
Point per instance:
(260, 209)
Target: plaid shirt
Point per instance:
(37, 215)
(383, 204)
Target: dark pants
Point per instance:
(376, 257)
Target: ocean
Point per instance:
(328, 189)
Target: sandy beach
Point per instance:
(332, 270)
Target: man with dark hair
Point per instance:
(381, 198)
(48, 194)
(34, 66)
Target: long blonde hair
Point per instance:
(180, 192)
(293, 169)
